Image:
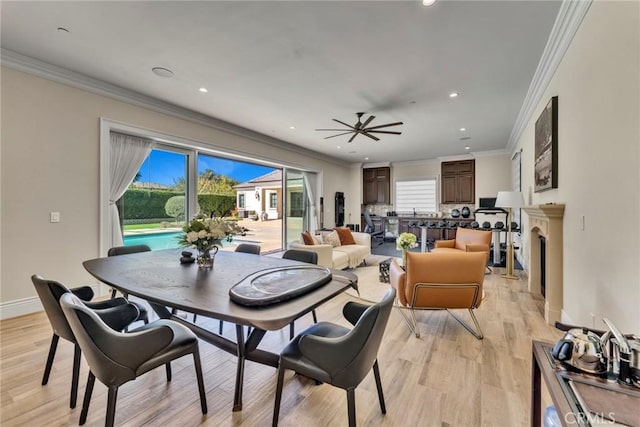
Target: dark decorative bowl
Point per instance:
(465, 212)
(455, 213)
(499, 225)
(486, 225)
(475, 224)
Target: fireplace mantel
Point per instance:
(546, 221)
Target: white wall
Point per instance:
(598, 87)
(50, 162)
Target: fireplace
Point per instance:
(545, 268)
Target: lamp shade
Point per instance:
(509, 199)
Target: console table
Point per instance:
(580, 399)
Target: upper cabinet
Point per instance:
(376, 186)
(458, 181)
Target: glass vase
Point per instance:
(404, 258)
(206, 257)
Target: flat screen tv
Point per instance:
(487, 202)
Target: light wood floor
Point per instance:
(445, 378)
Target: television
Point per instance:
(487, 202)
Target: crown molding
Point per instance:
(569, 18)
(27, 64)
(491, 153)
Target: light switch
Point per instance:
(54, 217)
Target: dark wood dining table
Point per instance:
(168, 285)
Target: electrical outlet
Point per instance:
(54, 216)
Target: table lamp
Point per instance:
(509, 200)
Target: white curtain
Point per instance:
(310, 182)
(127, 153)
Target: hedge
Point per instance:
(149, 204)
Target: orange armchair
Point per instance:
(440, 281)
(467, 240)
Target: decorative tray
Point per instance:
(279, 284)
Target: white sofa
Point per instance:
(340, 257)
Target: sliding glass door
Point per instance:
(300, 206)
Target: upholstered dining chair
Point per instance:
(339, 356)
(116, 358)
(440, 281)
(117, 313)
(302, 256)
(125, 250)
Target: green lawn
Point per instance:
(131, 227)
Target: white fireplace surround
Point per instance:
(546, 221)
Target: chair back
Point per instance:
(49, 292)
(365, 339)
(466, 236)
(248, 248)
(449, 279)
(302, 256)
(369, 224)
(97, 342)
(124, 250)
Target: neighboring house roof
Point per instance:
(272, 179)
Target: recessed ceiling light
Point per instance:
(428, 2)
(162, 72)
(339, 147)
(453, 95)
(467, 148)
(463, 129)
(292, 127)
(203, 90)
(366, 158)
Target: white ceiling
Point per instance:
(270, 65)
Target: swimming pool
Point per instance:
(155, 241)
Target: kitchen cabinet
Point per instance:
(458, 182)
(376, 186)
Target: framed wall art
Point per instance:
(546, 148)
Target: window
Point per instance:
(273, 200)
(241, 203)
(416, 194)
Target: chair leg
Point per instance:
(276, 406)
(292, 331)
(75, 375)
(220, 327)
(167, 367)
(195, 316)
(376, 374)
(52, 353)
(113, 293)
(351, 406)
(87, 398)
(111, 406)
(411, 323)
(477, 332)
(315, 317)
(198, 366)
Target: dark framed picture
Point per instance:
(546, 148)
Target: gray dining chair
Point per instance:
(118, 313)
(302, 256)
(339, 356)
(116, 358)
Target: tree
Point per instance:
(175, 207)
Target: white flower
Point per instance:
(202, 234)
(192, 236)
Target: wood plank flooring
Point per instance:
(445, 378)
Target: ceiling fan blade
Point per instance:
(384, 126)
(336, 130)
(340, 134)
(366, 122)
(343, 123)
(384, 131)
(371, 136)
(353, 137)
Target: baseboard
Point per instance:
(31, 305)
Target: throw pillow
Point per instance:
(307, 238)
(345, 236)
(331, 239)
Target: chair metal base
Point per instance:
(412, 323)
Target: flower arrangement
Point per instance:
(205, 233)
(406, 241)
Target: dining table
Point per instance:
(171, 286)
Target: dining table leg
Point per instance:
(237, 397)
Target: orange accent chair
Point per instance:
(440, 281)
(467, 240)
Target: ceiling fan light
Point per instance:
(428, 2)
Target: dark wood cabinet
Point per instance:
(376, 186)
(458, 182)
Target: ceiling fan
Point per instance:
(362, 129)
